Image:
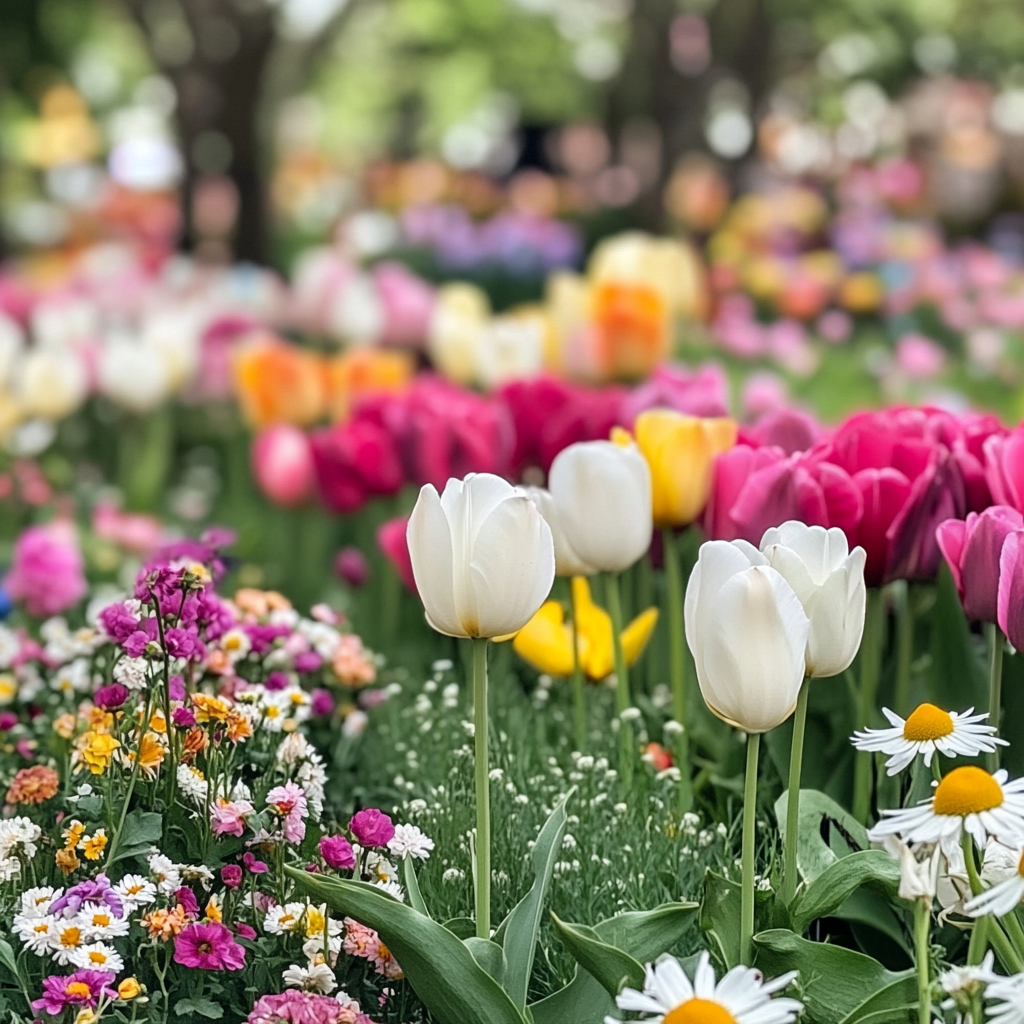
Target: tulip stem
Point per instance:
(677, 664)
(483, 791)
(922, 943)
(870, 666)
(995, 685)
(749, 821)
(796, 764)
(622, 698)
(578, 686)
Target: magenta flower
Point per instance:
(1011, 589)
(84, 988)
(338, 853)
(187, 899)
(256, 867)
(391, 539)
(208, 947)
(973, 550)
(372, 827)
(231, 875)
(290, 802)
(183, 718)
(244, 931)
(47, 573)
(351, 565)
(111, 697)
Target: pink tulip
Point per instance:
(1004, 467)
(356, 461)
(408, 303)
(1011, 589)
(753, 489)
(392, 541)
(132, 531)
(283, 464)
(702, 392)
(973, 550)
(785, 428)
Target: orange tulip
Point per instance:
(365, 371)
(280, 383)
(633, 328)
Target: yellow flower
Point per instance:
(546, 641)
(680, 451)
(213, 911)
(151, 754)
(128, 989)
(64, 726)
(93, 846)
(97, 750)
(73, 834)
(8, 688)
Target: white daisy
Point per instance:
(1006, 894)
(36, 902)
(741, 997)
(315, 978)
(66, 938)
(98, 956)
(37, 933)
(283, 918)
(99, 923)
(135, 890)
(927, 730)
(409, 841)
(968, 798)
(236, 644)
(962, 984)
(1009, 996)
(192, 783)
(166, 873)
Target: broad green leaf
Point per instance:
(412, 886)
(142, 829)
(644, 935)
(203, 1007)
(895, 1004)
(834, 981)
(957, 676)
(872, 868)
(463, 927)
(520, 929)
(439, 966)
(720, 917)
(827, 832)
(489, 955)
(610, 966)
(7, 958)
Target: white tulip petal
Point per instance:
(430, 551)
(567, 562)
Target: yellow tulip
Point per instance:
(680, 451)
(546, 641)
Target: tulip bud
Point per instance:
(392, 540)
(283, 464)
(134, 377)
(351, 565)
(748, 633)
(567, 562)
(602, 491)
(482, 556)
(829, 581)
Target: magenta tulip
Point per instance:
(1011, 589)
(1004, 467)
(283, 465)
(392, 541)
(973, 550)
(753, 489)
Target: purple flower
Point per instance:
(176, 688)
(351, 565)
(244, 931)
(92, 890)
(8, 720)
(276, 681)
(47, 570)
(231, 875)
(111, 697)
(182, 643)
(187, 898)
(309, 661)
(257, 867)
(83, 988)
(118, 622)
(337, 852)
(372, 827)
(321, 702)
(183, 718)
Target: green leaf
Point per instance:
(895, 1004)
(827, 832)
(412, 886)
(610, 966)
(489, 955)
(872, 868)
(835, 983)
(439, 966)
(720, 917)
(142, 829)
(957, 676)
(644, 935)
(520, 929)
(7, 958)
(203, 1007)
(463, 927)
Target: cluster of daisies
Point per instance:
(158, 775)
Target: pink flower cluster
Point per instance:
(365, 943)
(47, 571)
(294, 1007)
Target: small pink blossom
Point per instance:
(47, 572)
(290, 802)
(227, 817)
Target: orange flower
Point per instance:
(365, 371)
(213, 912)
(239, 727)
(67, 861)
(128, 989)
(210, 709)
(165, 924)
(151, 754)
(196, 741)
(64, 725)
(280, 383)
(633, 329)
(33, 785)
(73, 835)
(260, 603)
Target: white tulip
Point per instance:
(748, 634)
(511, 348)
(482, 556)
(603, 494)
(829, 580)
(567, 562)
(50, 384)
(134, 377)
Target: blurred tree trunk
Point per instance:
(649, 83)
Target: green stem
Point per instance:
(483, 791)
(677, 663)
(796, 763)
(578, 683)
(749, 821)
(871, 658)
(627, 753)
(143, 727)
(995, 685)
(1011, 924)
(904, 649)
(922, 943)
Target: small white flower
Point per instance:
(36, 902)
(962, 984)
(98, 923)
(132, 672)
(192, 783)
(98, 956)
(927, 730)
(37, 933)
(453, 875)
(284, 918)
(165, 873)
(1005, 896)
(66, 938)
(919, 869)
(1009, 996)
(409, 841)
(315, 978)
(742, 996)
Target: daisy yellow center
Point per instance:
(97, 957)
(1020, 866)
(927, 723)
(967, 790)
(42, 929)
(70, 937)
(100, 920)
(699, 1011)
